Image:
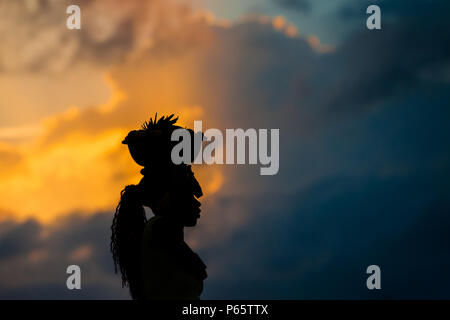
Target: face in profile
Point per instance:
(176, 201)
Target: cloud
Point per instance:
(319, 246)
(34, 259)
(416, 10)
(377, 74)
(170, 77)
(11, 158)
(363, 133)
(16, 239)
(293, 248)
(296, 5)
(111, 31)
(25, 101)
(253, 66)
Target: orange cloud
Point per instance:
(81, 253)
(76, 162)
(79, 164)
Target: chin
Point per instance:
(190, 223)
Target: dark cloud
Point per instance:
(391, 61)
(378, 162)
(296, 5)
(16, 239)
(34, 259)
(321, 245)
(415, 9)
(363, 178)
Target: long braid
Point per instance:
(127, 229)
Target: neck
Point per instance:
(177, 226)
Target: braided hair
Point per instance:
(127, 229)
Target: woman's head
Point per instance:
(172, 192)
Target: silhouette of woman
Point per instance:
(152, 256)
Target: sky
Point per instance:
(364, 153)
